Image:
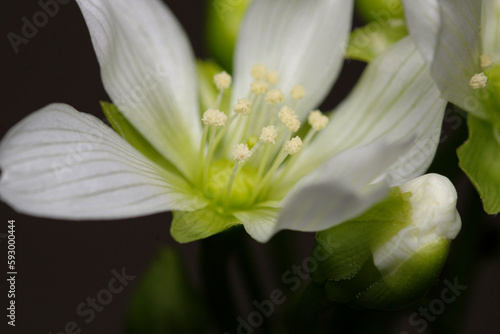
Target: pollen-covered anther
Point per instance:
(259, 87)
(243, 106)
(275, 96)
(298, 92)
(214, 117)
(241, 153)
(293, 146)
(268, 134)
(222, 80)
(258, 71)
(479, 80)
(288, 117)
(273, 77)
(486, 61)
(317, 120)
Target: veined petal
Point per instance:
(490, 29)
(259, 222)
(422, 19)
(303, 40)
(456, 58)
(148, 70)
(395, 99)
(341, 188)
(60, 163)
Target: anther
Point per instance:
(275, 97)
(268, 134)
(259, 87)
(243, 107)
(287, 116)
(317, 120)
(214, 117)
(273, 77)
(222, 81)
(241, 153)
(298, 92)
(258, 71)
(486, 61)
(293, 146)
(479, 80)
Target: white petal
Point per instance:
(323, 205)
(147, 68)
(60, 163)
(259, 222)
(456, 56)
(341, 188)
(422, 19)
(303, 40)
(395, 99)
(490, 28)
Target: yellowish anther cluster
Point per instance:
(486, 61)
(317, 120)
(479, 80)
(241, 153)
(298, 92)
(287, 116)
(214, 117)
(222, 80)
(268, 134)
(293, 146)
(243, 107)
(258, 71)
(259, 87)
(275, 97)
(273, 77)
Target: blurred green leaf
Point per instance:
(164, 302)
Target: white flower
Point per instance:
(65, 164)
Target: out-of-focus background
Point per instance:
(62, 263)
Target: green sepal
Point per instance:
(409, 282)
(379, 10)
(189, 226)
(126, 130)
(222, 25)
(206, 69)
(479, 158)
(164, 300)
(350, 244)
(370, 40)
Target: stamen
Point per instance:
(273, 77)
(259, 87)
(269, 134)
(222, 80)
(241, 153)
(243, 107)
(298, 92)
(479, 80)
(258, 71)
(214, 117)
(275, 97)
(486, 61)
(317, 120)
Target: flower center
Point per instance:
(259, 137)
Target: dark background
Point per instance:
(61, 263)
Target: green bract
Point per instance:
(379, 10)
